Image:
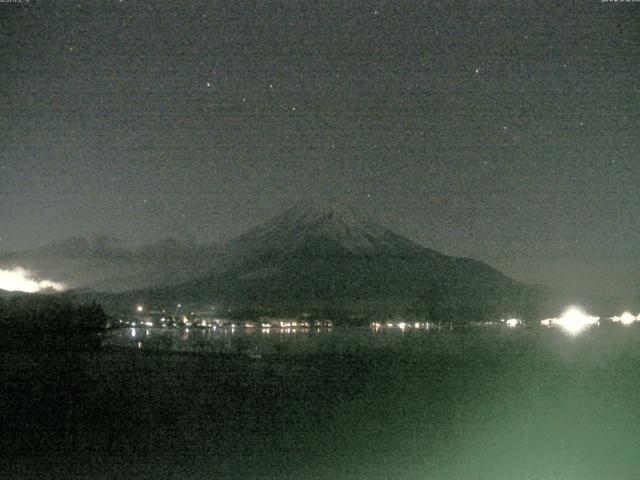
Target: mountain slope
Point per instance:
(322, 258)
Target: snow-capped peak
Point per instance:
(312, 221)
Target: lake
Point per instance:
(341, 403)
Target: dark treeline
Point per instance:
(49, 323)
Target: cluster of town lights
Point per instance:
(626, 318)
(574, 321)
(401, 325)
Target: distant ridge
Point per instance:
(104, 264)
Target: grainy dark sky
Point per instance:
(506, 131)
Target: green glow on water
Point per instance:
(482, 404)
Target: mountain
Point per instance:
(102, 263)
(332, 225)
(329, 260)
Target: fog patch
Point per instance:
(21, 280)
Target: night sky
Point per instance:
(504, 131)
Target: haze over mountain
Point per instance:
(102, 263)
(324, 258)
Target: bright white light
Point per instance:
(512, 322)
(21, 280)
(626, 318)
(575, 320)
(139, 308)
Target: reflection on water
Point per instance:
(227, 339)
(265, 340)
(574, 342)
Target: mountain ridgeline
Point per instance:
(327, 260)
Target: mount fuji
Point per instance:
(330, 260)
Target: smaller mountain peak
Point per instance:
(77, 246)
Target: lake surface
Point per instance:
(267, 341)
(480, 403)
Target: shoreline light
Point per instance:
(574, 320)
(626, 318)
(512, 322)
